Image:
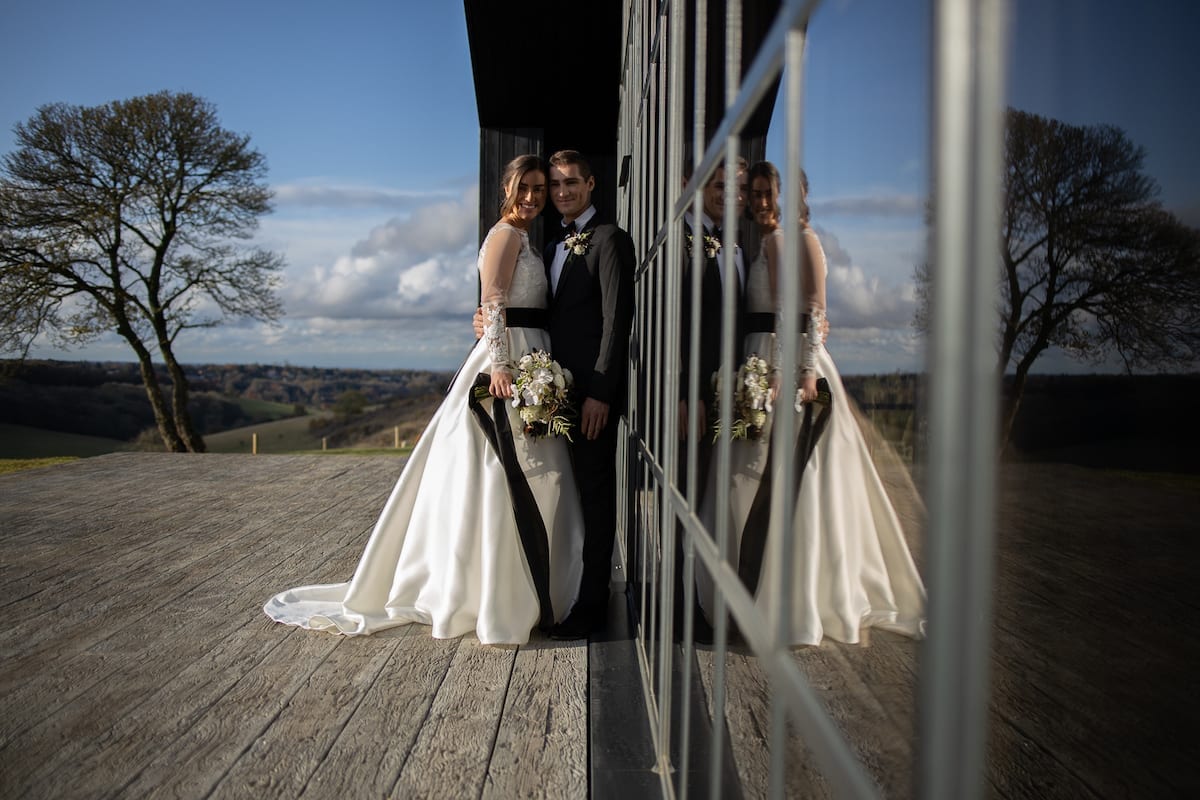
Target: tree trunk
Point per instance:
(162, 415)
(1012, 403)
(179, 399)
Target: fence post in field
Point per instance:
(324, 442)
(396, 431)
(254, 444)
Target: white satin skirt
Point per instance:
(851, 566)
(446, 551)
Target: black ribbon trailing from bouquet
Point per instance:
(754, 535)
(530, 527)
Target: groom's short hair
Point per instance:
(689, 167)
(565, 157)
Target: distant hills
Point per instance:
(1119, 421)
(106, 399)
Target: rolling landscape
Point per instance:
(80, 409)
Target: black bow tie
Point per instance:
(567, 230)
(716, 232)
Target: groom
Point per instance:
(590, 265)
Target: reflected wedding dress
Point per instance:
(851, 565)
(454, 545)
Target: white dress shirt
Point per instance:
(560, 252)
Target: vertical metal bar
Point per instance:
(673, 157)
(729, 293)
(968, 100)
(789, 282)
(665, 593)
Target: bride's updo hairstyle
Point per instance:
(513, 172)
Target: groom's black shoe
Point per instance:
(579, 624)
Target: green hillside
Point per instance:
(22, 441)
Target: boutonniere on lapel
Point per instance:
(578, 243)
(712, 245)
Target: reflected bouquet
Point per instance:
(540, 393)
(751, 399)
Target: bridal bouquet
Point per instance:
(540, 393)
(751, 399)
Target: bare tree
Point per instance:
(1091, 263)
(133, 217)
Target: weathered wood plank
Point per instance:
(371, 750)
(541, 746)
(135, 686)
(206, 602)
(454, 748)
(100, 681)
(192, 764)
(286, 753)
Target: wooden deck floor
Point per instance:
(1093, 685)
(136, 660)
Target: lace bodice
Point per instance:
(528, 288)
(758, 282)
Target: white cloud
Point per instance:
(874, 205)
(420, 264)
(860, 298)
(292, 196)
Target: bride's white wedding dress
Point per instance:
(452, 548)
(851, 567)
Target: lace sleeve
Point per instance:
(812, 273)
(497, 264)
(495, 335)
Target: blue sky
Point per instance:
(365, 112)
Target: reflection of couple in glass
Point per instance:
(851, 567)
(488, 530)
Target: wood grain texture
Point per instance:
(139, 662)
(1090, 672)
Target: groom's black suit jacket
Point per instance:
(711, 302)
(591, 314)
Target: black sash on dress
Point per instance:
(760, 322)
(526, 318)
(754, 534)
(532, 530)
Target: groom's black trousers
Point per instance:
(595, 465)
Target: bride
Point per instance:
(851, 565)
(483, 531)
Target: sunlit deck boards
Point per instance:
(136, 659)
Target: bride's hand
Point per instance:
(501, 385)
(808, 388)
(477, 323)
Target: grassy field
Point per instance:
(8, 465)
(279, 436)
(20, 441)
(292, 436)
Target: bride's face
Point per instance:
(530, 197)
(762, 201)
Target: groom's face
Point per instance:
(714, 195)
(569, 191)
